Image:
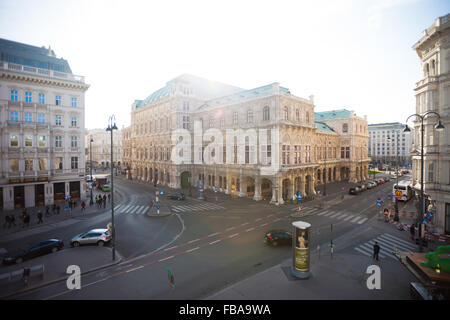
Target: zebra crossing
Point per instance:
(196, 207)
(334, 214)
(131, 209)
(387, 244)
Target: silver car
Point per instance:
(95, 236)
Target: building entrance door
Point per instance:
(19, 197)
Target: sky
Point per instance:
(352, 54)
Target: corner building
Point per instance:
(312, 147)
(41, 128)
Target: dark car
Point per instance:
(354, 190)
(34, 250)
(278, 237)
(176, 196)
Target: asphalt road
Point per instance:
(206, 250)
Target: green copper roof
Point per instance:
(332, 114)
(158, 94)
(323, 127)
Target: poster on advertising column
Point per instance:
(301, 242)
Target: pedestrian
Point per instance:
(12, 220)
(412, 231)
(7, 222)
(39, 215)
(57, 209)
(54, 209)
(24, 213)
(26, 220)
(26, 275)
(83, 205)
(376, 250)
(104, 201)
(109, 197)
(47, 211)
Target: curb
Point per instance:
(60, 279)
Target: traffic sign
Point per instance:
(161, 191)
(158, 207)
(300, 197)
(379, 202)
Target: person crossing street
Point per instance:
(376, 250)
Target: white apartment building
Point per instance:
(101, 148)
(388, 144)
(433, 94)
(41, 127)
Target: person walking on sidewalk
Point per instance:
(57, 209)
(39, 215)
(12, 220)
(109, 197)
(7, 222)
(83, 205)
(376, 250)
(412, 231)
(47, 211)
(26, 220)
(104, 201)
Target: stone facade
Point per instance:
(433, 94)
(298, 164)
(41, 128)
(101, 148)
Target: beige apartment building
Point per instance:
(101, 148)
(433, 94)
(312, 147)
(41, 128)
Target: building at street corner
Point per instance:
(388, 144)
(313, 147)
(41, 127)
(433, 94)
(101, 148)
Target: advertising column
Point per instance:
(300, 245)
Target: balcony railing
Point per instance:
(427, 79)
(40, 72)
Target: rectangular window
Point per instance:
(342, 152)
(74, 162)
(58, 141)
(74, 141)
(74, 121)
(41, 118)
(28, 164)
(58, 163)
(42, 164)
(14, 116)
(347, 152)
(28, 97)
(222, 122)
(28, 141)
(41, 98)
(235, 118)
(58, 120)
(58, 100)
(13, 141)
(186, 122)
(14, 165)
(431, 172)
(14, 95)
(28, 117)
(250, 116)
(74, 102)
(42, 141)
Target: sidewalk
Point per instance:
(54, 217)
(88, 258)
(342, 277)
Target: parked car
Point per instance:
(387, 179)
(95, 236)
(375, 182)
(361, 187)
(106, 188)
(176, 196)
(371, 185)
(278, 237)
(380, 181)
(354, 190)
(34, 250)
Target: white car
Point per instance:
(95, 236)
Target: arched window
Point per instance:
(433, 67)
(266, 113)
(345, 128)
(286, 113)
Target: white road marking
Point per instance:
(329, 213)
(193, 249)
(349, 217)
(341, 216)
(233, 235)
(354, 220)
(215, 241)
(134, 269)
(165, 258)
(213, 234)
(363, 220)
(134, 209)
(334, 215)
(249, 229)
(230, 228)
(192, 241)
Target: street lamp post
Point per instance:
(112, 126)
(438, 127)
(326, 173)
(90, 160)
